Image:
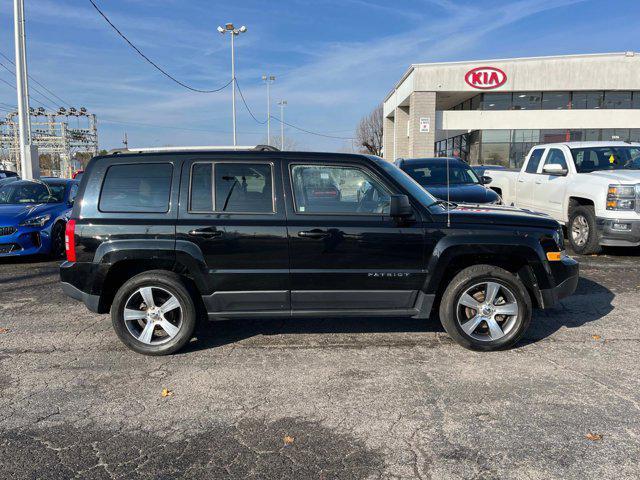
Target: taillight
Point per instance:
(69, 240)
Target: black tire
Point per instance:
(163, 283)
(451, 311)
(57, 241)
(585, 213)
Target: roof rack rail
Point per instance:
(207, 148)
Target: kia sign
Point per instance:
(485, 78)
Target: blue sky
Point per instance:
(334, 59)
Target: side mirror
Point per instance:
(400, 207)
(486, 179)
(554, 169)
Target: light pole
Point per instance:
(233, 32)
(282, 103)
(29, 166)
(268, 79)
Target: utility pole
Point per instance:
(233, 31)
(125, 141)
(30, 167)
(268, 79)
(282, 103)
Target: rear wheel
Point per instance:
(485, 308)
(583, 234)
(153, 313)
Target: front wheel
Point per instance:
(485, 308)
(57, 240)
(153, 313)
(583, 234)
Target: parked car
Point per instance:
(591, 187)
(33, 216)
(7, 174)
(481, 169)
(158, 235)
(461, 186)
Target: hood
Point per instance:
(618, 176)
(14, 214)
(497, 215)
(471, 193)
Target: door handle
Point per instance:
(538, 183)
(314, 234)
(205, 233)
(520, 181)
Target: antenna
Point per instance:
(448, 197)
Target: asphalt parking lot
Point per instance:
(345, 398)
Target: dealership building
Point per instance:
(494, 111)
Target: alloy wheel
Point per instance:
(580, 230)
(487, 311)
(153, 315)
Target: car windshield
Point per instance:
(408, 183)
(31, 192)
(591, 159)
(435, 173)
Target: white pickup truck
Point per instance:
(591, 187)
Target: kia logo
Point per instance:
(485, 78)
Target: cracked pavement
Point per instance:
(362, 398)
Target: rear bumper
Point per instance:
(75, 284)
(91, 301)
(616, 237)
(566, 274)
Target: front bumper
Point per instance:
(566, 274)
(26, 241)
(615, 237)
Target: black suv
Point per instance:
(158, 236)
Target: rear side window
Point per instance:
(140, 188)
(534, 161)
(237, 187)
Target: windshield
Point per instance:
(435, 173)
(408, 183)
(591, 159)
(32, 192)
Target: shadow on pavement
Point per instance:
(590, 302)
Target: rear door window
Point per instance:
(237, 187)
(137, 188)
(534, 160)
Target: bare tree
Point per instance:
(369, 132)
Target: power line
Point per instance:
(37, 82)
(309, 131)
(160, 69)
(247, 106)
(32, 87)
(34, 99)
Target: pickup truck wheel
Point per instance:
(582, 231)
(153, 313)
(485, 308)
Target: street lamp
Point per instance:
(233, 32)
(282, 103)
(268, 79)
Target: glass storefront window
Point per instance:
(526, 136)
(555, 100)
(495, 153)
(615, 134)
(636, 100)
(527, 100)
(634, 135)
(617, 100)
(496, 136)
(587, 100)
(475, 102)
(496, 101)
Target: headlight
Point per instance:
(621, 197)
(36, 221)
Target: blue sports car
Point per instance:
(33, 216)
